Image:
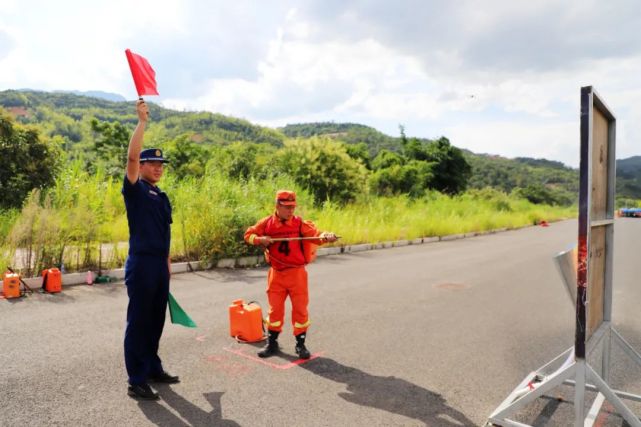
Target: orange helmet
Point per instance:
(285, 198)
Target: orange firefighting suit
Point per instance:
(287, 275)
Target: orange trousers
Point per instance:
(290, 282)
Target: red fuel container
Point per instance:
(11, 285)
(52, 280)
(245, 321)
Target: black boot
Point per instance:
(272, 345)
(301, 350)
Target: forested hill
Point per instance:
(351, 133)
(69, 116)
(629, 177)
(489, 170)
(523, 172)
(80, 122)
(545, 180)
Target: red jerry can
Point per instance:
(245, 321)
(11, 285)
(52, 280)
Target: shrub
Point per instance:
(323, 167)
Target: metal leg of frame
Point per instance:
(597, 338)
(592, 387)
(585, 378)
(625, 412)
(523, 388)
(627, 348)
(605, 361)
(593, 413)
(579, 393)
(515, 394)
(567, 356)
(548, 383)
(512, 423)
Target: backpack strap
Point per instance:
(302, 247)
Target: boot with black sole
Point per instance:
(301, 350)
(142, 392)
(272, 347)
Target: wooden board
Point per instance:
(599, 190)
(596, 218)
(599, 211)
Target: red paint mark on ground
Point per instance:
(227, 366)
(604, 414)
(266, 362)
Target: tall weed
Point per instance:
(81, 222)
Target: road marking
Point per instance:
(282, 366)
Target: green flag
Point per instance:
(178, 315)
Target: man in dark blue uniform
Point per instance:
(147, 269)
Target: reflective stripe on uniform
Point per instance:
(273, 324)
(302, 325)
(251, 239)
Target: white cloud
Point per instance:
(494, 76)
(83, 48)
(558, 140)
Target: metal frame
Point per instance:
(590, 101)
(575, 370)
(579, 374)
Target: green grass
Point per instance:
(398, 218)
(211, 214)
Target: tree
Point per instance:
(27, 162)
(412, 148)
(359, 152)
(415, 149)
(385, 159)
(323, 167)
(451, 170)
(541, 194)
(244, 160)
(186, 157)
(13, 98)
(412, 179)
(536, 194)
(401, 128)
(111, 144)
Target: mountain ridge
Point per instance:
(66, 114)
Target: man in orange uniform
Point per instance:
(287, 275)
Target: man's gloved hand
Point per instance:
(263, 240)
(328, 236)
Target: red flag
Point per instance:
(144, 76)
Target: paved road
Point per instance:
(434, 335)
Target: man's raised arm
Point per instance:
(135, 143)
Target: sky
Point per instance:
(496, 77)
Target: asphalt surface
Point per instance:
(435, 334)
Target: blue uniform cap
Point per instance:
(152, 155)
